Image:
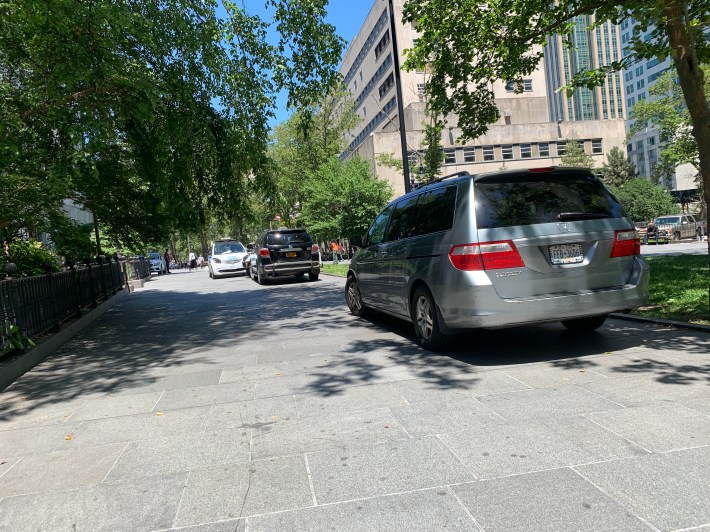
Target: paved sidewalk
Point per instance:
(217, 405)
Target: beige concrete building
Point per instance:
(525, 136)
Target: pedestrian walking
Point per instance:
(193, 261)
(166, 258)
(334, 250)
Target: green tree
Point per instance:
(618, 169)
(642, 200)
(433, 156)
(296, 152)
(342, 199)
(467, 46)
(667, 111)
(575, 156)
(151, 114)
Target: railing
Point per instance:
(42, 303)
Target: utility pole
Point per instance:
(400, 103)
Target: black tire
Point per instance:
(353, 299)
(211, 275)
(426, 321)
(312, 276)
(261, 279)
(585, 324)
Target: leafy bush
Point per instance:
(642, 200)
(31, 258)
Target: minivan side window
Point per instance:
(404, 219)
(436, 210)
(377, 230)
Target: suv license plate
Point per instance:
(291, 254)
(566, 254)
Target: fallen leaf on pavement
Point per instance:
(158, 413)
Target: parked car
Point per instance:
(662, 235)
(499, 249)
(157, 263)
(285, 252)
(681, 226)
(226, 258)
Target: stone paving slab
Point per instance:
(547, 402)
(633, 391)
(321, 400)
(502, 449)
(114, 406)
(383, 469)
(438, 387)
(181, 453)
(38, 440)
(253, 414)
(670, 490)
(557, 500)
(148, 503)
(238, 490)
(659, 427)
(60, 470)
(422, 419)
(205, 395)
(419, 511)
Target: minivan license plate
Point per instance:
(291, 254)
(566, 253)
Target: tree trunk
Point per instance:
(203, 244)
(691, 80)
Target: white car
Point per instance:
(227, 258)
(157, 263)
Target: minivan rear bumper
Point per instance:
(292, 268)
(469, 307)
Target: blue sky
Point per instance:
(346, 15)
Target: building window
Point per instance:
(361, 75)
(629, 147)
(525, 151)
(640, 84)
(512, 86)
(421, 89)
(488, 154)
(639, 70)
(651, 141)
(507, 151)
(386, 85)
(469, 155)
(449, 156)
(527, 85)
(561, 149)
(639, 145)
(355, 82)
(543, 149)
(597, 146)
(382, 45)
(364, 111)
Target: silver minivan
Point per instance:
(497, 250)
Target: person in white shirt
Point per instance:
(193, 261)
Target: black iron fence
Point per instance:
(40, 304)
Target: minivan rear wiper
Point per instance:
(564, 216)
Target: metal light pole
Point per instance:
(400, 104)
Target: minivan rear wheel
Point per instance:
(585, 324)
(426, 321)
(353, 298)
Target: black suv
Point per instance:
(285, 252)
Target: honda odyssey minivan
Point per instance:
(497, 250)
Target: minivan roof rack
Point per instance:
(462, 173)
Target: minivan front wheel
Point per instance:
(585, 324)
(353, 297)
(426, 321)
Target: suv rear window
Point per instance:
(220, 248)
(287, 237)
(509, 201)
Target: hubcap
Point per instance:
(425, 323)
(354, 297)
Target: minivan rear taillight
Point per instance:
(264, 252)
(315, 248)
(486, 256)
(626, 243)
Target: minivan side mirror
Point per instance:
(356, 241)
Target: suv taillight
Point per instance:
(263, 252)
(486, 256)
(626, 243)
(315, 248)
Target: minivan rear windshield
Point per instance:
(276, 239)
(544, 199)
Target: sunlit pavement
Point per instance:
(225, 405)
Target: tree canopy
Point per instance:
(618, 169)
(643, 201)
(151, 114)
(575, 156)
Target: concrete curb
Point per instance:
(666, 323)
(25, 362)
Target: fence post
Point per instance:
(91, 284)
(77, 288)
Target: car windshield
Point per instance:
(514, 201)
(668, 220)
(153, 256)
(220, 248)
(287, 238)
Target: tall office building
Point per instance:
(534, 126)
